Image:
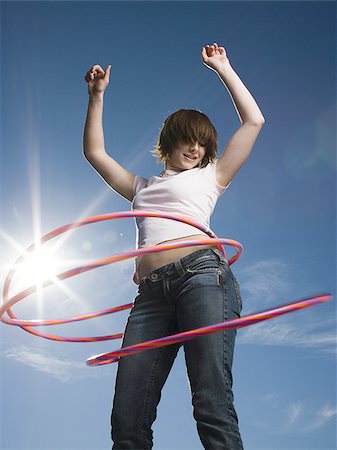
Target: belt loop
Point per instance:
(143, 284)
(219, 255)
(179, 268)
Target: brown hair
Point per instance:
(186, 126)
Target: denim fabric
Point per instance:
(192, 292)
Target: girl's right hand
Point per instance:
(97, 79)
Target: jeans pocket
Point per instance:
(203, 264)
(207, 267)
(200, 270)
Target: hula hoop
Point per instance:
(245, 321)
(27, 324)
(114, 356)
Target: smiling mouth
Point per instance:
(190, 157)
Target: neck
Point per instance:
(169, 166)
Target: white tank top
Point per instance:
(191, 193)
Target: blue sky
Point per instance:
(281, 207)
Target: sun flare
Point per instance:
(37, 267)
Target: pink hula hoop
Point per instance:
(27, 324)
(114, 356)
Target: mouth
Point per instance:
(190, 158)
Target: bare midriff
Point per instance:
(152, 261)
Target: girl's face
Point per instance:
(186, 156)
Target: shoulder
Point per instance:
(139, 183)
(214, 171)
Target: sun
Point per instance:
(38, 266)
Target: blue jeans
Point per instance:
(192, 292)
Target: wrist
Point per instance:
(96, 96)
(225, 68)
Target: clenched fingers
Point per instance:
(94, 72)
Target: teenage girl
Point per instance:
(180, 289)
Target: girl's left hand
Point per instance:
(214, 56)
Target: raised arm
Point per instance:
(242, 141)
(113, 173)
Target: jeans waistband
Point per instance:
(179, 266)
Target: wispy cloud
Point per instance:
(289, 334)
(63, 371)
(261, 283)
(299, 416)
(263, 280)
(295, 410)
(305, 417)
(321, 417)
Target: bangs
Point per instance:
(186, 126)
